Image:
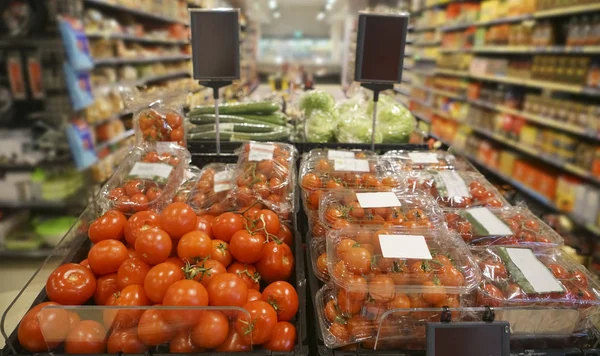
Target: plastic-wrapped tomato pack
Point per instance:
(147, 179)
(454, 189)
(428, 160)
(190, 177)
(333, 154)
(210, 193)
(318, 256)
(506, 226)
(544, 291)
(265, 173)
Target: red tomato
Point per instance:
(203, 223)
(174, 120)
(235, 342)
(311, 181)
(211, 330)
(106, 256)
(85, 263)
(276, 263)
(125, 341)
(111, 225)
(42, 329)
(139, 202)
(132, 271)
(134, 187)
(87, 337)
(254, 294)
(558, 271)
(137, 221)
(221, 252)
(153, 194)
(258, 324)
(227, 289)
(182, 343)
(283, 339)
(226, 224)
(177, 219)
(283, 298)
(205, 271)
(106, 286)
(247, 273)
(154, 328)
(177, 134)
(116, 193)
(185, 293)
(130, 296)
(489, 296)
(159, 279)
(71, 284)
(73, 319)
(269, 221)
(194, 246)
(247, 247)
(285, 235)
(154, 245)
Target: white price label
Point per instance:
(333, 154)
(225, 126)
(260, 151)
(423, 157)
(378, 200)
(222, 181)
(404, 246)
(150, 170)
(452, 185)
(351, 165)
(534, 271)
(488, 222)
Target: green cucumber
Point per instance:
(234, 127)
(278, 134)
(265, 107)
(210, 119)
(277, 118)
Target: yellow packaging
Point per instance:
(528, 135)
(566, 193)
(489, 10)
(507, 162)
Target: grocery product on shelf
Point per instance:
(209, 193)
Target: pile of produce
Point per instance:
(351, 121)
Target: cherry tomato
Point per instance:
(276, 263)
(382, 288)
(106, 256)
(489, 295)
(579, 278)
(558, 271)
(106, 286)
(116, 193)
(87, 337)
(322, 264)
(227, 289)
(137, 221)
(435, 293)
(132, 271)
(182, 343)
(494, 270)
(42, 329)
(134, 187)
(177, 134)
(357, 260)
(111, 225)
(123, 204)
(221, 252)
(311, 181)
(177, 219)
(283, 339)
(283, 298)
(139, 202)
(247, 273)
(194, 246)
(125, 341)
(226, 224)
(185, 293)
(159, 279)
(154, 245)
(340, 332)
(247, 247)
(258, 324)
(71, 284)
(153, 194)
(211, 330)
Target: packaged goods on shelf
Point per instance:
(209, 194)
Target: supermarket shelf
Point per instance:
(115, 140)
(39, 204)
(541, 84)
(135, 12)
(503, 20)
(454, 50)
(125, 37)
(26, 254)
(452, 72)
(161, 77)
(118, 61)
(402, 92)
(445, 93)
(422, 117)
(567, 10)
(426, 44)
(425, 29)
(424, 59)
(536, 49)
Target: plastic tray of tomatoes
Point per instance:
(148, 178)
(454, 189)
(337, 153)
(160, 125)
(428, 160)
(569, 307)
(510, 226)
(210, 193)
(191, 175)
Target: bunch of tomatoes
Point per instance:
(527, 229)
(238, 263)
(161, 125)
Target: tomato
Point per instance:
(42, 329)
(226, 224)
(283, 298)
(175, 260)
(125, 341)
(489, 295)
(87, 337)
(116, 193)
(106, 256)
(177, 134)
(254, 294)
(153, 194)
(268, 220)
(182, 343)
(333, 214)
(357, 260)
(558, 271)
(344, 246)
(137, 221)
(382, 288)
(247, 247)
(227, 289)
(221, 252)
(194, 246)
(514, 292)
(185, 293)
(111, 225)
(285, 235)
(134, 187)
(71, 284)
(435, 293)
(211, 330)
(154, 328)
(174, 120)
(314, 197)
(311, 181)
(85, 263)
(360, 327)
(322, 264)
(205, 271)
(159, 279)
(247, 273)
(154, 245)
(283, 339)
(132, 271)
(105, 287)
(131, 296)
(450, 276)
(276, 263)
(347, 304)
(340, 332)
(331, 311)
(579, 278)
(139, 202)
(73, 319)
(203, 223)
(258, 324)
(494, 270)
(400, 301)
(235, 342)
(177, 219)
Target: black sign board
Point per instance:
(468, 339)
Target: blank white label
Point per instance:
(538, 276)
(333, 154)
(404, 246)
(225, 126)
(490, 222)
(150, 170)
(260, 151)
(378, 200)
(423, 157)
(455, 185)
(351, 165)
(222, 181)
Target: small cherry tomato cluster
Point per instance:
(527, 229)
(161, 126)
(479, 194)
(174, 258)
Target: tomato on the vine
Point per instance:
(258, 323)
(194, 246)
(283, 298)
(205, 270)
(277, 262)
(221, 252)
(247, 273)
(246, 247)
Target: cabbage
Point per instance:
(395, 123)
(316, 100)
(320, 126)
(355, 127)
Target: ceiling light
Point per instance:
(329, 6)
(276, 14)
(320, 16)
(272, 4)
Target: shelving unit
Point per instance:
(134, 12)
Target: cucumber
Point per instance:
(234, 127)
(277, 118)
(259, 107)
(255, 119)
(278, 134)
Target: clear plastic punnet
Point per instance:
(147, 179)
(265, 173)
(544, 280)
(508, 226)
(190, 177)
(454, 189)
(338, 153)
(210, 193)
(318, 256)
(431, 160)
(349, 208)
(383, 262)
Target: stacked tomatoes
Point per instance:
(160, 125)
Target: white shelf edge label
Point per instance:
(150, 170)
(378, 200)
(404, 246)
(222, 181)
(260, 151)
(535, 272)
(333, 154)
(351, 165)
(423, 157)
(488, 221)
